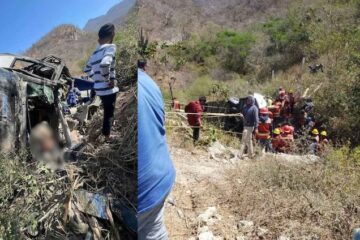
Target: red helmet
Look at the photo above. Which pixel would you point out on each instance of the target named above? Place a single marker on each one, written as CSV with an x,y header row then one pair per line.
x,y
287,129
264,110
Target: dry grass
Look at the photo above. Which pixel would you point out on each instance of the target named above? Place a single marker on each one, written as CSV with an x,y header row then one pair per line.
x,y
39,203
115,165
316,201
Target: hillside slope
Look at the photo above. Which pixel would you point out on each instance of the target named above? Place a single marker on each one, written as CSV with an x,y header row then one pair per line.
x,y
172,20
67,42
237,47
73,44
115,15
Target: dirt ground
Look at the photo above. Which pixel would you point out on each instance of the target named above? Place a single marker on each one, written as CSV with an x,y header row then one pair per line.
x,y
203,188
200,184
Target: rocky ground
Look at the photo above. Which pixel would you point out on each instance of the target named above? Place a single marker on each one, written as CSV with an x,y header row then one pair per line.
x,y
198,207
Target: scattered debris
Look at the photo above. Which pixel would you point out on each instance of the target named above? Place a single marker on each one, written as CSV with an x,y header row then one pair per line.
x,y
261,232
283,238
219,153
246,226
207,215
206,234
180,213
241,238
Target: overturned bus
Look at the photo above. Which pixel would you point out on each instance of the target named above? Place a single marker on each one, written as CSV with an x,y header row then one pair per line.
x,y
30,93
233,105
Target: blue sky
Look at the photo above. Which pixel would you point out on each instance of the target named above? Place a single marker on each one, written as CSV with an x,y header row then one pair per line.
x,y
24,22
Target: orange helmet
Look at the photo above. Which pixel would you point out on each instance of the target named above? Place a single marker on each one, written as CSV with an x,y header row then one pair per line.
x,y
264,110
287,129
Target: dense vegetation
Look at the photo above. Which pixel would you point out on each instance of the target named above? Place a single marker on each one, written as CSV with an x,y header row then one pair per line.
x,y
323,32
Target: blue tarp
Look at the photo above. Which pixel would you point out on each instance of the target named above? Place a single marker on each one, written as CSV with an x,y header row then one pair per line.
x,y
83,85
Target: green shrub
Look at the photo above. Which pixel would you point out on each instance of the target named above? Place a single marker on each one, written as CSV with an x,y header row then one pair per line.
x,y
230,49
233,49
200,87
127,53
286,34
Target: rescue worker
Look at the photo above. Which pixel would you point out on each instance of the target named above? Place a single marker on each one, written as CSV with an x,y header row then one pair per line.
x,y
323,142
310,123
288,130
101,68
323,137
287,135
314,141
281,97
194,110
291,99
288,106
277,143
300,123
251,121
281,89
263,134
277,107
156,173
276,110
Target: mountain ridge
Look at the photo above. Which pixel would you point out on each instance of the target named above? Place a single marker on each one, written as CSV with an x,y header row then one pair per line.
x,y
67,42
115,15
73,44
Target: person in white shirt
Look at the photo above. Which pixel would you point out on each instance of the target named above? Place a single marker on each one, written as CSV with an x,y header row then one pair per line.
x,y
101,68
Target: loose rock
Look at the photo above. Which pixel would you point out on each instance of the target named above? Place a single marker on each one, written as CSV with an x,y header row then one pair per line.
x,y
206,236
246,226
207,215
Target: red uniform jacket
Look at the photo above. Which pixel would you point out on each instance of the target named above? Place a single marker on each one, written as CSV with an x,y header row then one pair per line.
x,y
263,130
194,107
278,143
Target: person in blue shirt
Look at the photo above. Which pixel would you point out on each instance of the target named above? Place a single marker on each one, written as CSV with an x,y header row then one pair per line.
x,y
156,173
251,122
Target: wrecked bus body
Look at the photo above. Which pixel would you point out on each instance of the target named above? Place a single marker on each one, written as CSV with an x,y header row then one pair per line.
x,y
30,93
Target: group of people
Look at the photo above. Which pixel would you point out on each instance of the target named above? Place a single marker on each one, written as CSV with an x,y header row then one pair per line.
x,y
274,128
277,126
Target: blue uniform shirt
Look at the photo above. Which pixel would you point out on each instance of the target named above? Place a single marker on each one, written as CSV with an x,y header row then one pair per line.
x,y
156,173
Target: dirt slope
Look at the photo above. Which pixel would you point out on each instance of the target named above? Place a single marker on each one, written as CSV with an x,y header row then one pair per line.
x,y
204,187
171,20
